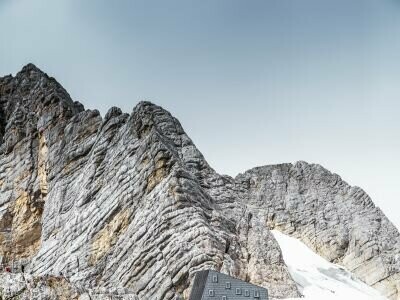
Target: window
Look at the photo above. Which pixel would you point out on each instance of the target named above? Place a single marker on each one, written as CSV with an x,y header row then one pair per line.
x,y
238,291
228,285
256,294
215,278
246,293
211,293
224,298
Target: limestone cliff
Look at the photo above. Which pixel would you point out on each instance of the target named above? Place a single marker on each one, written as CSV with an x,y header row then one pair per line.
x,y
337,221
126,204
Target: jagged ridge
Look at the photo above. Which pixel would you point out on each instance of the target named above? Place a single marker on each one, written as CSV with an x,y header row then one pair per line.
x,y
128,201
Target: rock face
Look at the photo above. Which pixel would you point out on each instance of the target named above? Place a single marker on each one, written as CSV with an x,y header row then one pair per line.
x,y
337,221
128,205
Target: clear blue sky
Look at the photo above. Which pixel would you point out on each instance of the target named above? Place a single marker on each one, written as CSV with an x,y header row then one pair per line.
x,y
253,82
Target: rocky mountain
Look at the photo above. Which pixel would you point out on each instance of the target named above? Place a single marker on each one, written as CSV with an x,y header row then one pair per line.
x,y
127,205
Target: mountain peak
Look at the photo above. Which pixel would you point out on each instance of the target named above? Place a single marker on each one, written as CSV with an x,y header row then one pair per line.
x,y
29,69
130,202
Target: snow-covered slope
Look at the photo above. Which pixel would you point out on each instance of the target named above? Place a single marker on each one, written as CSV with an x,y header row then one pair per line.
x,y
319,279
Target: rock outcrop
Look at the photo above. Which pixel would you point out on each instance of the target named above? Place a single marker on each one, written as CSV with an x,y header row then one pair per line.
x,y
337,221
128,203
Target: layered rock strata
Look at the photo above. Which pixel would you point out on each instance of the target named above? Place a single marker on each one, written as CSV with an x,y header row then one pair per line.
x,y
128,202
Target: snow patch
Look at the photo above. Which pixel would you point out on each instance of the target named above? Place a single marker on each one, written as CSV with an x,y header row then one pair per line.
x,y
318,279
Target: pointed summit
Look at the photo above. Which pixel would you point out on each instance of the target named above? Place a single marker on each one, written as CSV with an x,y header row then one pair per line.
x,y
29,70
29,101
31,67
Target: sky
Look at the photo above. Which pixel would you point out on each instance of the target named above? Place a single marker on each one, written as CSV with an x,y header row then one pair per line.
x,y
252,82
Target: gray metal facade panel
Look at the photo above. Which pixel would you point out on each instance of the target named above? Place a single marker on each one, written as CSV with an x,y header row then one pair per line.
x,y
199,285
220,290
